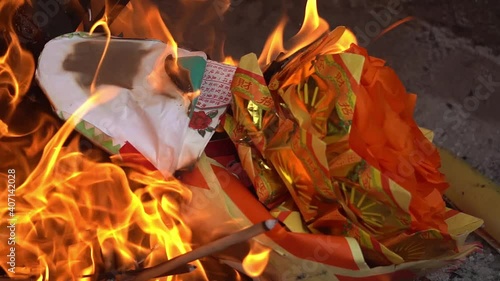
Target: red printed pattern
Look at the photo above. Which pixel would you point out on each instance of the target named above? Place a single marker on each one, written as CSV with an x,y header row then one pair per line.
x,y
216,85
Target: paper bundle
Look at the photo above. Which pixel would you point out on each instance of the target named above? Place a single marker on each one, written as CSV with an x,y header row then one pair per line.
x,y
331,137
299,255
152,114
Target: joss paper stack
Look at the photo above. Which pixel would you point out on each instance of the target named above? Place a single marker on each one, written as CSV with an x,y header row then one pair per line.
x,y
331,136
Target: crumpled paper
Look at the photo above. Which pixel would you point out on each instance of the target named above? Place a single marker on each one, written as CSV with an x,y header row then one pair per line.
x,y
336,126
220,201
150,114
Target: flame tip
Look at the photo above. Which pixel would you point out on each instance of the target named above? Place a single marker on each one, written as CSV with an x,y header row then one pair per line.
x,y
257,259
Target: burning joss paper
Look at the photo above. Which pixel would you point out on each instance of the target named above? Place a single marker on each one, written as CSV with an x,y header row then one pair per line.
x,y
166,103
334,131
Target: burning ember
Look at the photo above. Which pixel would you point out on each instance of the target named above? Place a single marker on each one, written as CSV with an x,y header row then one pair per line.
x,y
140,208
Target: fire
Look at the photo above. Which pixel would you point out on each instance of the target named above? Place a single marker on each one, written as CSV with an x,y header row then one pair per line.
x,y
76,212
147,23
256,261
313,27
230,60
103,24
3,129
274,44
16,65
78,216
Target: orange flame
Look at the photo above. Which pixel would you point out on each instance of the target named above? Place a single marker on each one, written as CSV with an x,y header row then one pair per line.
x,y
256,261
76,216
274,44
313,27
148,23
103,24
16,64
230,60
142,19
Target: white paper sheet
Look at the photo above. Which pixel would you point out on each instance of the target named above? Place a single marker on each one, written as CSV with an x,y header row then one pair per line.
x,y
151,114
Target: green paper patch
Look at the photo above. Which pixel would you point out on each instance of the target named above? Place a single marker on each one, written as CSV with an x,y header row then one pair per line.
x,y
196,66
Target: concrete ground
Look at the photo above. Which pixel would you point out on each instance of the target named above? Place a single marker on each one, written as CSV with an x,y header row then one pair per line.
x,y
448,54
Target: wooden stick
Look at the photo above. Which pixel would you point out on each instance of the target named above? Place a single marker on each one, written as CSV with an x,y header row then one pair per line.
x,y
206,250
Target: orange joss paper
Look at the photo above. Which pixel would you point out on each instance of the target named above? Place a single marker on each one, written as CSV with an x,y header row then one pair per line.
x,y
338,131
385,134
